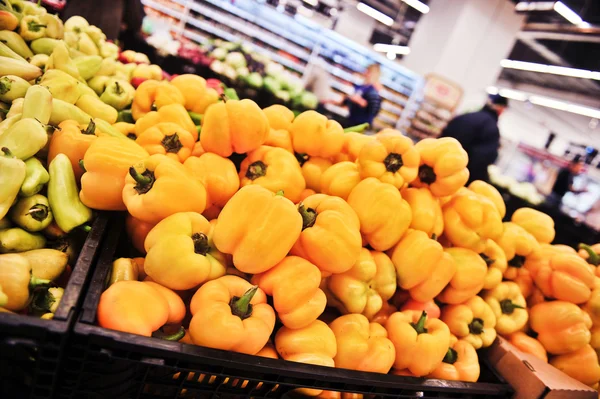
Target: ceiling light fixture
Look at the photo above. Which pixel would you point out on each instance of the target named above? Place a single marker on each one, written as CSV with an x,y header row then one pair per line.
x,y
567,13
391,56
373,13
391,48
551,69
313,3
417,5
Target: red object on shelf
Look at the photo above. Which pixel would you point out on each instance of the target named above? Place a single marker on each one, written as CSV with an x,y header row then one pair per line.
x,y
135,82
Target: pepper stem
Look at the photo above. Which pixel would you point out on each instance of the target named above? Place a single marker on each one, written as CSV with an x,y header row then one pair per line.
x,y
357,128
201,246
451,356
593,257
302,158
144,180
393,162
241,307
172,337
434,237
419,326
90,129
309,216
171,143
508,307
38,212
476,326
256,169
488,261
85,227
7,152
196,118
280,193
34,282
426,174
118,89
517,261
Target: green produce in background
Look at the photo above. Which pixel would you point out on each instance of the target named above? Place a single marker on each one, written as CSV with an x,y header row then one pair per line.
x,y
38,104
36,178
62,110
109,50
62,86
46,264
108,67
31,213
25,138
18,240
22,69
99,83
76,24
12,87
116,95
44,45
6,51
88,65
16,43
86,45
12,174
63,195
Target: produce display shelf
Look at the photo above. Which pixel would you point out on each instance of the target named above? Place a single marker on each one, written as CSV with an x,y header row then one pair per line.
x,y
102,363
32,349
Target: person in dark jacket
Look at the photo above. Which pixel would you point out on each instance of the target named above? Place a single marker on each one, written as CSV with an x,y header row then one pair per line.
x,y
564,182
479,135
365,103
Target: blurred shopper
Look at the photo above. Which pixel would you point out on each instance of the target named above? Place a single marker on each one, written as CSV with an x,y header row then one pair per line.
x,y
365,103
479,135
318,81
564,181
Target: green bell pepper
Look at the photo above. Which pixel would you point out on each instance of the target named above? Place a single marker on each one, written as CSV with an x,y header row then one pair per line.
x,y
12,174
36,178
25,138
32,27
116,96
43,45
12,87
88,65
19,240
31,213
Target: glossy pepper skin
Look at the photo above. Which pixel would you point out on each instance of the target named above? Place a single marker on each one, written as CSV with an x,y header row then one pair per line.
x,y
63,195
31,27
173,113
340,179
280,138
124,269
15,274
280,117
390,158
316,136
274,169
159,187
590,254
495,259
167,139
527,344
562,327
312,170
469,278
197,96
470,219
153,94
96,108
238,313
421,342
487,190
12,175
237,126
25,138
537,223
353,144
422,266
328,219
366,286
443,166
473,321
426,211
362,345
137,230
384,216
32,213
294,285
16,239
461,363
72,140
217,174
517,245
107,162
581,364
509,306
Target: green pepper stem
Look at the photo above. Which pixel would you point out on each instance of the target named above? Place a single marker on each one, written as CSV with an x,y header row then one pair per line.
x,y
476,326
309,216
419,326
256,169
82,165
357,128
34,281
201,246
280,193
593,257
90,129
508,307
426,174
7,153
118,89
393,162
241,307
144,180
171,337
196,118
85,227
451,356
39,212
171,143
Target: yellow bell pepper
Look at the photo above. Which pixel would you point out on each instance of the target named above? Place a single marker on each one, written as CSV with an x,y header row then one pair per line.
x,y
152,95
461,363
361,345
581,364
180,252
590,254
366,286
443,166
517,245
313,169
536,223
473,321
280,117
527,344
562,327
426,211
509,306
197,96
422,266
487,190
421,343
592,306
174,113
315,135
470,219
167,139
294,285
469,278
339,179
495,258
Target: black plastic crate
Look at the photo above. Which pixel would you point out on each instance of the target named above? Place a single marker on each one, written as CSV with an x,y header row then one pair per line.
x,y
103,363
31,349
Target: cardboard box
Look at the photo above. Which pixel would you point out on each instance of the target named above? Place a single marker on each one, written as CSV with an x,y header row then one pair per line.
x,y
531,378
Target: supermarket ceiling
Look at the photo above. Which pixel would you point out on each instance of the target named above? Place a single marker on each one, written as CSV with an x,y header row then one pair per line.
x,y
551,39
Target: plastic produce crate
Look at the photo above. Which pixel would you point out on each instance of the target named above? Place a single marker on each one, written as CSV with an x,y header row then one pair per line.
x,y
31,349
103,363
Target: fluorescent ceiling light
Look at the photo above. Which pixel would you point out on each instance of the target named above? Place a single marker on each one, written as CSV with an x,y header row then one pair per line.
x,y
373,13
391,48
551,69
417,5
391,56
534,6
567,13
312,2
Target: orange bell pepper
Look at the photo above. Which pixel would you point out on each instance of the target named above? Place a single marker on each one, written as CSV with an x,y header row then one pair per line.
x,y
168,139
217,174
432,309
517,245
426,211
274,169
443,166
383,315
420,343
159,187
527,344
327,219
473,321
509,306
562,327
535,297
233,126
353,144
173,113
126,129
239,317
153,95
590,254
137,230
107,162
177,309
461,363
384,216
197,96
280,117
268,351
280,138
495,259
315,135
340,179
73,141
536,223
198,149
258,228
294,285
581,364
391,158
592,306
307,192
362,345
487,190
421,265
469,278
313,169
